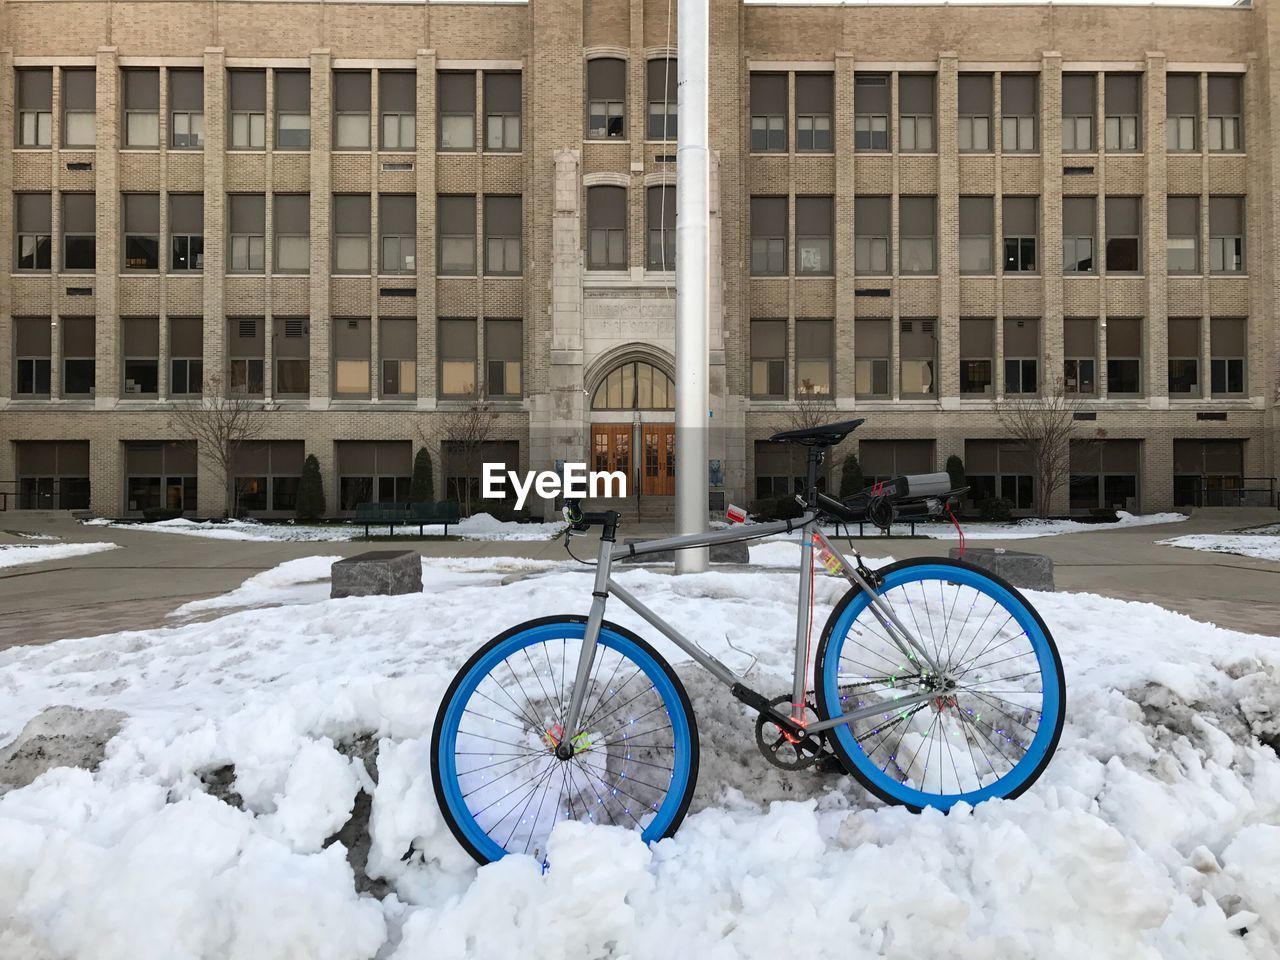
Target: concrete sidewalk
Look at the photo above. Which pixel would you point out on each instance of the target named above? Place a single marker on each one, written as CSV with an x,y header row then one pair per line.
x,y
138,585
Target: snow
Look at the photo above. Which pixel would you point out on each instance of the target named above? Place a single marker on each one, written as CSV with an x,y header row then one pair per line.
x,y
1259,546
17,554
1152,833
1031,528
481,526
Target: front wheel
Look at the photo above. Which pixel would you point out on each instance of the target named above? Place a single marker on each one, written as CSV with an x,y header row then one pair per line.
x,y
983,726
500,781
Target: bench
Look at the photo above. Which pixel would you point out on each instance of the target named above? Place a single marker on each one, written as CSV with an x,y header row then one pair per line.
x,y
407,514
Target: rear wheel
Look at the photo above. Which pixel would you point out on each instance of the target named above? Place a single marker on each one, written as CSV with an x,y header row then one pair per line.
x,y
500,780
991,717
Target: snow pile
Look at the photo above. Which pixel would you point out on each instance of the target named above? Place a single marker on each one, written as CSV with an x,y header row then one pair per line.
x,y
270,796
17,554
482,526
1260,546
1031,527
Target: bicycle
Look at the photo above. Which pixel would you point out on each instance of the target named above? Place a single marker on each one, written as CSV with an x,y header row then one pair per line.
x,y
573,717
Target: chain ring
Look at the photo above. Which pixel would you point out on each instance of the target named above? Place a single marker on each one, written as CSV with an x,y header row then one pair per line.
x,y
778,747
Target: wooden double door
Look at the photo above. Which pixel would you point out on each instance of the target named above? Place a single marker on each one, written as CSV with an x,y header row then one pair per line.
x,y
653,459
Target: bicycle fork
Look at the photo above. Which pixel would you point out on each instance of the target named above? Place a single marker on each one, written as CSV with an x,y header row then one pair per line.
x,y
599,594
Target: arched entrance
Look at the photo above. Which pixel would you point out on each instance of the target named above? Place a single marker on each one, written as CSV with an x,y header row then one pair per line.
x,y
631,426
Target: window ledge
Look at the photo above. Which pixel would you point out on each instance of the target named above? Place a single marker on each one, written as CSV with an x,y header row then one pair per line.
x,y
815,276
186,275
286,276
441,276
247,150
920,276
155,149
1228,276
917,153
32,149
501,153
503,276
604,140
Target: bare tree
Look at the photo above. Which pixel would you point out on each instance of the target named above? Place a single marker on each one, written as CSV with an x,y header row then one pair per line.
x,y
812,407
461,436
1043,426
220,421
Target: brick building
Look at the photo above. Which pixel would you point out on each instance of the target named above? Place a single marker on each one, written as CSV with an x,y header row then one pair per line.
x,y
368,213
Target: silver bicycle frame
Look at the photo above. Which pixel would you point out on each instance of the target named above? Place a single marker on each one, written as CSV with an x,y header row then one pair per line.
x,y
604,585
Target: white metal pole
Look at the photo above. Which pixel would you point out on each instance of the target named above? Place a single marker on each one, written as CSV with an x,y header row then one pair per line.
x,y
693,251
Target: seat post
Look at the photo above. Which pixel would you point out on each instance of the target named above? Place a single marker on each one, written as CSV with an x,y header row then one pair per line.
x,y
816,455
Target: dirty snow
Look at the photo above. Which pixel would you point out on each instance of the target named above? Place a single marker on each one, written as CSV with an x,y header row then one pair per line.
x,y
1259,546
481,526
17,554
1152,834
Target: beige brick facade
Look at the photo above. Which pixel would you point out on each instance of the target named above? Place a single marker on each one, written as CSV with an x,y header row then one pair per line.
x,y
580,323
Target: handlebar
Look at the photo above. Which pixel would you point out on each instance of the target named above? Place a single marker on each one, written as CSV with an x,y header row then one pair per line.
x,y
582,520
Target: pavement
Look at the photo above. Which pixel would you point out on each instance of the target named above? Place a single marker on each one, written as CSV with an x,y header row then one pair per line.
x,y
140,584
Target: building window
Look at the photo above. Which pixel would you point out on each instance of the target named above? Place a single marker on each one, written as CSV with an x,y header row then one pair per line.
x,y
871,111
1226,234
292,224
999,469
1021,356
79,375
977,228
1079,101
141,216
661,89
606,99
1080,348
247,218
1182,108
351,353
635,385
502,230
35,107
814,235
781,471
31,347
606,228
266,475
373,471
398,107
885,459
457,106
917,228
141,107
351,98
502,109
769,236
504,356
1104,474
186,353
1124,249
1079,227
977,354
973,130
351,233
291,351
871,356
398,346
186,232
456,221
871,236
1184,356
457,352
1182,241
247,352
53,474
660,212
1124,357
79,237
768,113
1020,219
140,351
1019,112
397,233
247,109
1122,110
916,112
814,103
160,476
814,358
186,109
293,109
918,354
34,222
769,359
1225,97
79,107
1226,357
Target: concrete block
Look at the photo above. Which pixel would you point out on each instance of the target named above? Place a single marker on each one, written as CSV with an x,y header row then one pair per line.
x,y
1033,571
720,553
386,573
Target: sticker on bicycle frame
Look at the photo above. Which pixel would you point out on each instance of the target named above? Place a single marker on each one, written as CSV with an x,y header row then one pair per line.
x,y
827,558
